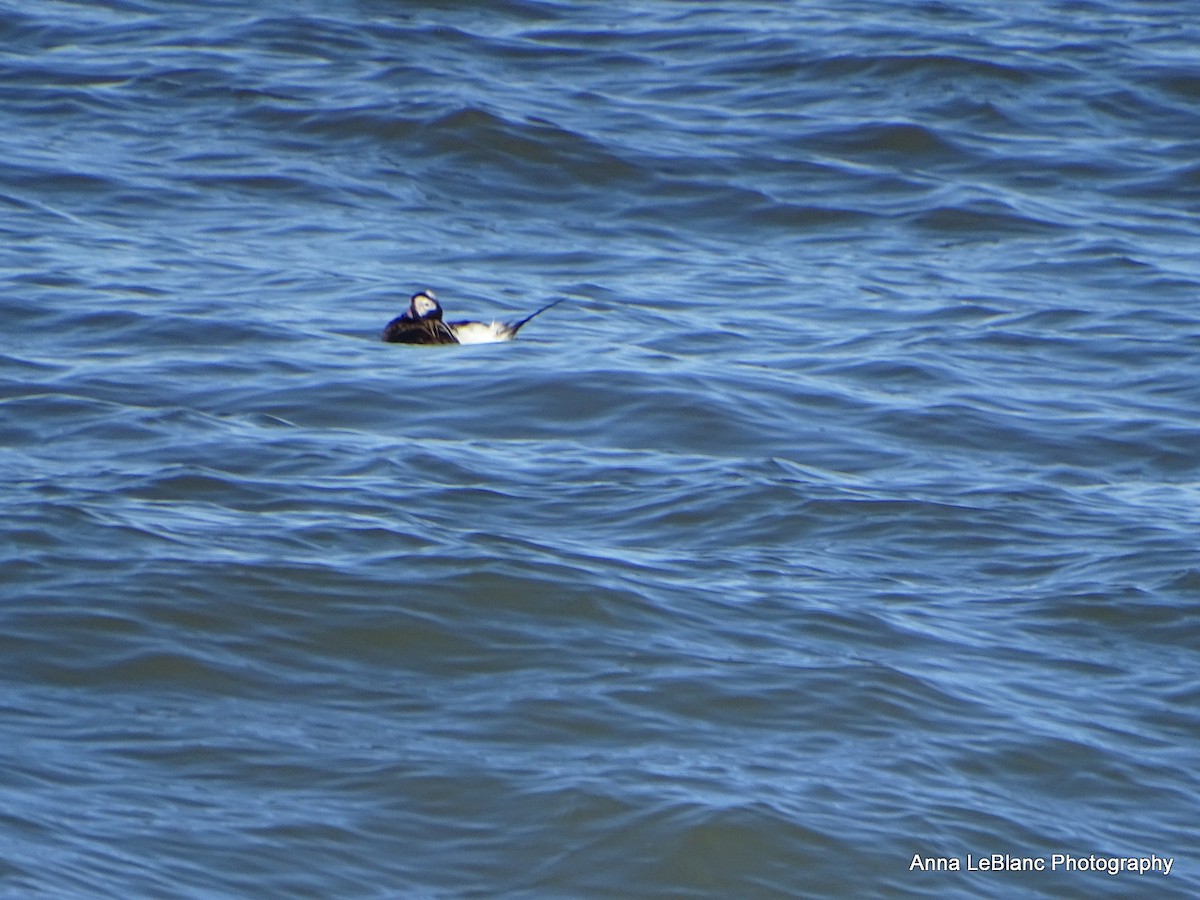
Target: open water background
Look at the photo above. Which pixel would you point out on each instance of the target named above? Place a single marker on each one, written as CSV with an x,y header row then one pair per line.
x,y
848,510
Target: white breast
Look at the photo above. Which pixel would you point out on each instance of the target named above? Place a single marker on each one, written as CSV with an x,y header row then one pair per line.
x,y
482,332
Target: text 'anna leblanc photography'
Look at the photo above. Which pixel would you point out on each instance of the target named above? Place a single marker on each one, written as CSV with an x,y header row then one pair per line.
x,y
1055,862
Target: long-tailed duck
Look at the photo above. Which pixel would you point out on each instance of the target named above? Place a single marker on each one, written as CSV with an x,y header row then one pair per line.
x,y
422,324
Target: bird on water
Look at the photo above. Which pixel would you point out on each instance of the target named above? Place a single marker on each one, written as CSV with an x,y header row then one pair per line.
x,y
422,323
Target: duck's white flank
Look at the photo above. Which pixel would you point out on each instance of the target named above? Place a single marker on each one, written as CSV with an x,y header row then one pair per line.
x,y
482,332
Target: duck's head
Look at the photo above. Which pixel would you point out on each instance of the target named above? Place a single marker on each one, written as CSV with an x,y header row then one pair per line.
x,y
424,305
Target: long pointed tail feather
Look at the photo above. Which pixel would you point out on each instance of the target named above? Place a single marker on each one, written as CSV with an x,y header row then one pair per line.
x,y
515,326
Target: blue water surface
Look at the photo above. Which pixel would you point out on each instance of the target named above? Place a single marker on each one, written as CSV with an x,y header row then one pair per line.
x,y
845,512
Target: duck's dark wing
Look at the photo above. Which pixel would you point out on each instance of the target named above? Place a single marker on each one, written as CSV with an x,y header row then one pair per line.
x,y
442,333
407,330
